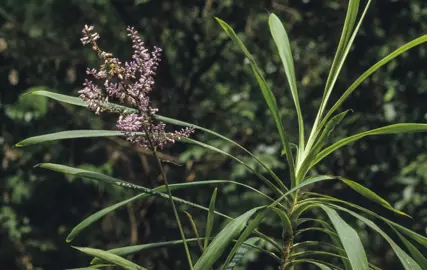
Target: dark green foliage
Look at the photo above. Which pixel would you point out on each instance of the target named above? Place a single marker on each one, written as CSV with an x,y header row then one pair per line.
x,y
203,80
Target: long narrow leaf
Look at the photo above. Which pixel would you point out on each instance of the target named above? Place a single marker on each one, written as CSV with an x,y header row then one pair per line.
x,y
253,224
349,239
281,39
195,230
210,147
110,257
210,219
339,59
323,139
298,187
147,193
71,134
221,241
415,253
115,181
407,262
367,73
266,92
185,124
422,240
130,250
391,129
241,252
79,102
369,194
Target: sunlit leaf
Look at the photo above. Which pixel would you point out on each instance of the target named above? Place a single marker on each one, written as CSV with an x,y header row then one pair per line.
x,y
391,129
241,252
217,247
283,46
268,96
367,73
407,262
415,253
71,134
349,239
110,257
210,219
79,102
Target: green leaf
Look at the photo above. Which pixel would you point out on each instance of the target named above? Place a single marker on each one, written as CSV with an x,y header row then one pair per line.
x,y
323,139
147,193
286,223
407,262
210,219
349,239
195,230
411,234
110,257
221,241
60,97
253,224
115,181
98,215
391,129
345,43
71,134
210,147
185,124
281,39
320,264
415,253
130,250
79,102
371,70
369,194
241,252
306,182
267,93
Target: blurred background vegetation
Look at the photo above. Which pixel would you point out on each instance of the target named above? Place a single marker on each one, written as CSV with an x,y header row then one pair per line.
x,y
202,79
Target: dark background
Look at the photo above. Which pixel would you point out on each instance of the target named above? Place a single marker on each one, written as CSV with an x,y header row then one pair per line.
x,y
203,79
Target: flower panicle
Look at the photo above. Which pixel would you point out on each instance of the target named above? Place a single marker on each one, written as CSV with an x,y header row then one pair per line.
x,y
128,83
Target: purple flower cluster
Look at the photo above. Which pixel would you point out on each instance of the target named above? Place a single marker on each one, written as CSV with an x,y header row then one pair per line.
x,y
128,83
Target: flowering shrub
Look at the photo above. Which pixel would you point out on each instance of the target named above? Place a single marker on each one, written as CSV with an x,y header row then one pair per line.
x,y
123,89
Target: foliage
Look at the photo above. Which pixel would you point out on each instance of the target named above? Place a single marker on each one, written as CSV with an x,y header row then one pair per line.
x,y
289,203
215,66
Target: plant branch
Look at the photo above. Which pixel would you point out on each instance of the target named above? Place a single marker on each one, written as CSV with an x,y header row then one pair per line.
x,y
175,212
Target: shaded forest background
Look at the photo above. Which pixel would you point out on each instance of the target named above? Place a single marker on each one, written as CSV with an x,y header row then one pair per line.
x,y
203,79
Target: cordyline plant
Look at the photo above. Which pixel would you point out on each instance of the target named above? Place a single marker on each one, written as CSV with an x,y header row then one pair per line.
x,y
123,88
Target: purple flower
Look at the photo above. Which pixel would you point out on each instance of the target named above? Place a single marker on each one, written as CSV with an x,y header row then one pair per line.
x,y
128,83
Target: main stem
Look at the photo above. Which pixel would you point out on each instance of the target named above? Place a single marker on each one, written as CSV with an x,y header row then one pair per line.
x,y
286,251
175,212
288,240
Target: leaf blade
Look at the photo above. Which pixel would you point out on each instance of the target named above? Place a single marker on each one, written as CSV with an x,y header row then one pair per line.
x,y
349,239
221,241
110,257
70,134
404,258
390,129
267,94
210,219
283,46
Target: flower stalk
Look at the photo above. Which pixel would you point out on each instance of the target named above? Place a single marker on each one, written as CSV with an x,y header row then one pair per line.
x,y
129,83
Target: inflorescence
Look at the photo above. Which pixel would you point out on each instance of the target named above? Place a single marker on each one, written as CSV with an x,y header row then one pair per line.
x,y
128,83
